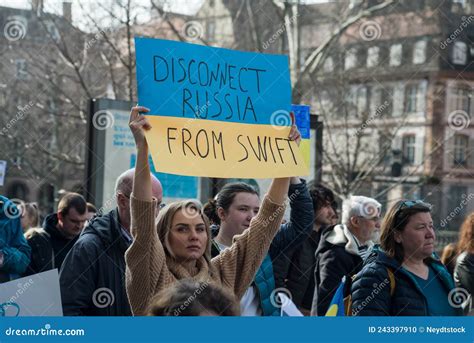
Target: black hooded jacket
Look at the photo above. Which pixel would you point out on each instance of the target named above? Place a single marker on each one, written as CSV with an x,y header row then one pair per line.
x,y
92,277
48,246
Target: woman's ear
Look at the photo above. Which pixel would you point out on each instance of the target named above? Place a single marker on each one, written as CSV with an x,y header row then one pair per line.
x,y
221,213
397,237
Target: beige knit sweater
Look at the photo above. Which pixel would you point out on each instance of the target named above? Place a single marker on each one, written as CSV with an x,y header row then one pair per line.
x,y
149,269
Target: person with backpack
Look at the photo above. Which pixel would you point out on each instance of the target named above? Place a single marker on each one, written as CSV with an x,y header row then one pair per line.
x,y
343,248
404,277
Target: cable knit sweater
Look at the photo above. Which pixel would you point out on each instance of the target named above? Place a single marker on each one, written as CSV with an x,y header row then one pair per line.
x,y
149,269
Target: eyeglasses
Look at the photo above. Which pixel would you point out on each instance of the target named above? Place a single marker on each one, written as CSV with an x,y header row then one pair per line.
x,y
413,204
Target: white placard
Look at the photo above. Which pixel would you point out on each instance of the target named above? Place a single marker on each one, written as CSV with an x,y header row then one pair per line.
x,y
35,295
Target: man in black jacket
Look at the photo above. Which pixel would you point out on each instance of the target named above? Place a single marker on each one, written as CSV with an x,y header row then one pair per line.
x,y
343,248
93,275
294,269
50,245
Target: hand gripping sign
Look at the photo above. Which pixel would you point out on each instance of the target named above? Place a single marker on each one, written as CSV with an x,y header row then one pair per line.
x,y
217,112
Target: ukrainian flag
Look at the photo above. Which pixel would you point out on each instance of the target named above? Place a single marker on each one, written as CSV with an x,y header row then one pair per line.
x,y
336,307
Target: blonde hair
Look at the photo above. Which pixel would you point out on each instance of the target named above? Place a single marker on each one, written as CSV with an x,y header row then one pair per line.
x,y
165,220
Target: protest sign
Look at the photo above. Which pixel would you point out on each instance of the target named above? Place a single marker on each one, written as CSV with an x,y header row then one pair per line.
x,y
34,295
217,112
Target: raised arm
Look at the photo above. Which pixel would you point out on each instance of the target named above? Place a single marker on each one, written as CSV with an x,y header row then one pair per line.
x,y
142,179
146,271
240,262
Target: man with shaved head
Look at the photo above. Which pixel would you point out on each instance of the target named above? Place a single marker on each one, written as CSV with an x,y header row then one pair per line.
x,y
93,274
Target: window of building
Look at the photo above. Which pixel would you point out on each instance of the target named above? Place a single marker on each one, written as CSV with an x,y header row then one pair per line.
x,y
411,98
459,53
408,148
419,52
382,98
373,56
395,55
461,99
350,60
21,69
385,148
461,150
361,100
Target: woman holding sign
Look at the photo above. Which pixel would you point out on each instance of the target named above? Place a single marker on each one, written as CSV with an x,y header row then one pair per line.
x,y
178,247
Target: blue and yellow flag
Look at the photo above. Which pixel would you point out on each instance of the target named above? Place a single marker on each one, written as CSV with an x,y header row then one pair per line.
x,y
336,307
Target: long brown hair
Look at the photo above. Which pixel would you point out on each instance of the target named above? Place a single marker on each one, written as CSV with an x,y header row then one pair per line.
x,y
165,219
395,220
466,235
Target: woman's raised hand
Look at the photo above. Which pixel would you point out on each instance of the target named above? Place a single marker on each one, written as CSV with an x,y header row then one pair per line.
x,y
138,125
295,134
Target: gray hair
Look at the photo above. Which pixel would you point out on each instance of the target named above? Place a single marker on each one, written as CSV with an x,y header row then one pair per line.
x,y
359,206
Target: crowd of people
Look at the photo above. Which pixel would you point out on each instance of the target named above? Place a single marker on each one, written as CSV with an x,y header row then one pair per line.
x,y
234,255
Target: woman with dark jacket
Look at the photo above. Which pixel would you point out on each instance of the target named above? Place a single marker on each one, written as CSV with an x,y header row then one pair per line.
x,y
464,268
422,285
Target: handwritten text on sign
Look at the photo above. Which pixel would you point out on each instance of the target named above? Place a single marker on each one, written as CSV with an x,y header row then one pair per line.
x,y
213,110
193,81
201,148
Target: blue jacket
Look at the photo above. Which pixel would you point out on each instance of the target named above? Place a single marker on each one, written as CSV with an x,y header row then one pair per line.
x,y
289,236
407,300
15,249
